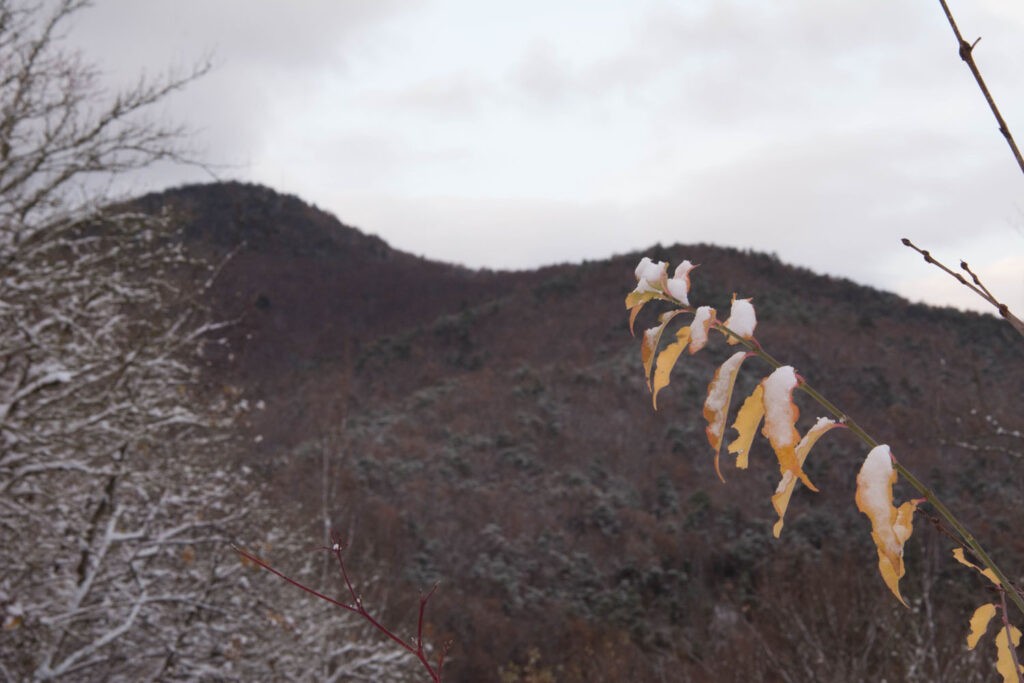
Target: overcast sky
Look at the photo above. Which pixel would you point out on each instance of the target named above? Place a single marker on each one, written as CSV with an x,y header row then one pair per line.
x,y
519,134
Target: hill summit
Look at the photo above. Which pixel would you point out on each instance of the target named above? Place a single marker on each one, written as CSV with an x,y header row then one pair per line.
x,y
493,431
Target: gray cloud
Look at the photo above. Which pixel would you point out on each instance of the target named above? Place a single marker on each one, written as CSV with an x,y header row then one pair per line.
x,y
539,132
267,58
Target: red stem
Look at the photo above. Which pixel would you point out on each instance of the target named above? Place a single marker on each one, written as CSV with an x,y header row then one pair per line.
x,y
337,549
1009,641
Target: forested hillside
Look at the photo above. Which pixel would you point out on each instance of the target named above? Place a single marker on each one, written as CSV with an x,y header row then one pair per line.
x,y
209,382
492,431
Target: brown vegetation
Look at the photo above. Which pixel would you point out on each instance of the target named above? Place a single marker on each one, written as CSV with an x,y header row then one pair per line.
x,y
493,440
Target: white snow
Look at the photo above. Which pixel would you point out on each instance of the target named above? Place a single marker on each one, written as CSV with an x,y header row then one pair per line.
x,y
651,336
874,486
778,411
699,328
742,319
822,423
719,392
679,285
649,275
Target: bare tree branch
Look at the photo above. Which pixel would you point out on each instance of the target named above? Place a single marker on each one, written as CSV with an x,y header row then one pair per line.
x,y
60,139
975,285
966,51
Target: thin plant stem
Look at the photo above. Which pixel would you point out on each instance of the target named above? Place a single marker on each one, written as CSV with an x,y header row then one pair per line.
x,y
356,607
966,51
1009,640
962,531
977,286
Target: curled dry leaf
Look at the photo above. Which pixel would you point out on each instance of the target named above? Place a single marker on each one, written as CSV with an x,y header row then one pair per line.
x,y
716,405
652,338
780,501
1006,640
979,624
780,416
748,419
635,302
667,360
890,527
958,555
695,336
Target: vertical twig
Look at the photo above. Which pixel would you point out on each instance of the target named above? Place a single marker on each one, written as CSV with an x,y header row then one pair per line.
x,y
967,54
1009,641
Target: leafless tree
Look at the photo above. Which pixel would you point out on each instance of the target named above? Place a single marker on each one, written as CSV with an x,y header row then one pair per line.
x,y
115,520
61,139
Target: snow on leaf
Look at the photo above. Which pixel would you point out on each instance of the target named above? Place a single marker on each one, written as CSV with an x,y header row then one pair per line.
x,y
678,287
667,360
780,501
890,527
716,405
780,416
748,419
649,275
979,624
652,338
650,285
742,319
1005,664
703,318
958,555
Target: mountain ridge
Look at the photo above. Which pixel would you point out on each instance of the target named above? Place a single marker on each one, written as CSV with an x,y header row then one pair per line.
x,y
493,430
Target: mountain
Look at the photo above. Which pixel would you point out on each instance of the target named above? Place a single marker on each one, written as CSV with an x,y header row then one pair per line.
x,y
493,431
307,292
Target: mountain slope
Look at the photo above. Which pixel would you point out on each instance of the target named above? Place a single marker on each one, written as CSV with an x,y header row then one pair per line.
x,y
492,430
306,292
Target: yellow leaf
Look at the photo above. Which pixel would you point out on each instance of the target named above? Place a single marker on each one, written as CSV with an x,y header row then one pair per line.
x,y
747,421
650,284
780,501
979,624
636,298
958,554
667,360
635,301
652,338
890,527
716,405
780,416
1004,661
